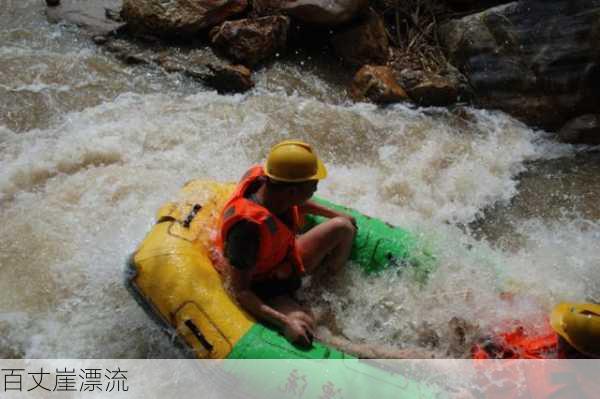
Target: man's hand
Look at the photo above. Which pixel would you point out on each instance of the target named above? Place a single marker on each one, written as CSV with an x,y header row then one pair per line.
x,y
352,220
298,329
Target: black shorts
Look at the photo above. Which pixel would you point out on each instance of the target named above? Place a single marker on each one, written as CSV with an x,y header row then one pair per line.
x,y
267,289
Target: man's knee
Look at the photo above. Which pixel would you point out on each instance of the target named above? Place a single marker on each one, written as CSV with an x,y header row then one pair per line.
x,y
343,226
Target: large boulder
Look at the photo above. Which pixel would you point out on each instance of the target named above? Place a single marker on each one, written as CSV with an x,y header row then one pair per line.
x,y
317,12
251,41
584,129
434,89
538,60
377,84
178,17
365,42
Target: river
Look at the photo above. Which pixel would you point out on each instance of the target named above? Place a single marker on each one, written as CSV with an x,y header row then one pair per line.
x,y
90,148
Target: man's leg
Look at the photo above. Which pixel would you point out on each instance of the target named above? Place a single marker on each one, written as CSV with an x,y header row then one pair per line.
x,y
372,351
331,239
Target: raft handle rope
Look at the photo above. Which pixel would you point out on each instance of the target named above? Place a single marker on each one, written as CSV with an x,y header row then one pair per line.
x,y
196,331
188,220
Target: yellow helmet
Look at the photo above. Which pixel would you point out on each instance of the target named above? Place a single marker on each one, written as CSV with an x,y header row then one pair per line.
x,y
294,161
579,324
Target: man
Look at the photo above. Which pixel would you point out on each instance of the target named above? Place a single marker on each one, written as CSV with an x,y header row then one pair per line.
x,y
259,237
572,333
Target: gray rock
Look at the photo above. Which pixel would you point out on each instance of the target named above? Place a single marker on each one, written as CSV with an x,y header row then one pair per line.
x,y
178,17
252,41
584,129
209,70
538,60
120,46
434,89
125,51
90,15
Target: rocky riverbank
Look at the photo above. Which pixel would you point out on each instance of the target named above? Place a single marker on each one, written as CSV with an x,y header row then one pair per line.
x,y
536,60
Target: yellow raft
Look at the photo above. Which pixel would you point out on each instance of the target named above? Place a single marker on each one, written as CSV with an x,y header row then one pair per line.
x,y
172,273
172,277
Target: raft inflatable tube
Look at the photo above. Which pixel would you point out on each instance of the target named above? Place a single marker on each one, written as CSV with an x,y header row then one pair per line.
x,y
171,276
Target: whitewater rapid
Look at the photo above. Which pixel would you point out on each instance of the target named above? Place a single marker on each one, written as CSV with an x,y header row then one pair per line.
x,y
89,149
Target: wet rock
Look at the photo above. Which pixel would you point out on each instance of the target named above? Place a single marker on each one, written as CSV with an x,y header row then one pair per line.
x,y
317,12
537,60
134,58
377,84
113,15
210,71
196,71
429,89
251,41
125,51
178,17
120,46
584,129
366,42
89,15
100,40
459,80
229,78
52,3
170,64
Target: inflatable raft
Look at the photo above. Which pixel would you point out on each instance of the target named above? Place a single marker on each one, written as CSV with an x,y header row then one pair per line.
x,y
172,277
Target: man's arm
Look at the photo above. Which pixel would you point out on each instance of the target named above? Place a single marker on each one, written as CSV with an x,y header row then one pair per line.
x,y
296,329
314,208
240,251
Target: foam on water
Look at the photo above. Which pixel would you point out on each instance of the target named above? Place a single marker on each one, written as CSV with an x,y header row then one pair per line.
x,y
79,187
78,197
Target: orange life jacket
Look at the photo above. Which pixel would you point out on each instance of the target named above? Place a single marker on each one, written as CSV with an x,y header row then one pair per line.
x,y
546,377
277,241
517,344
